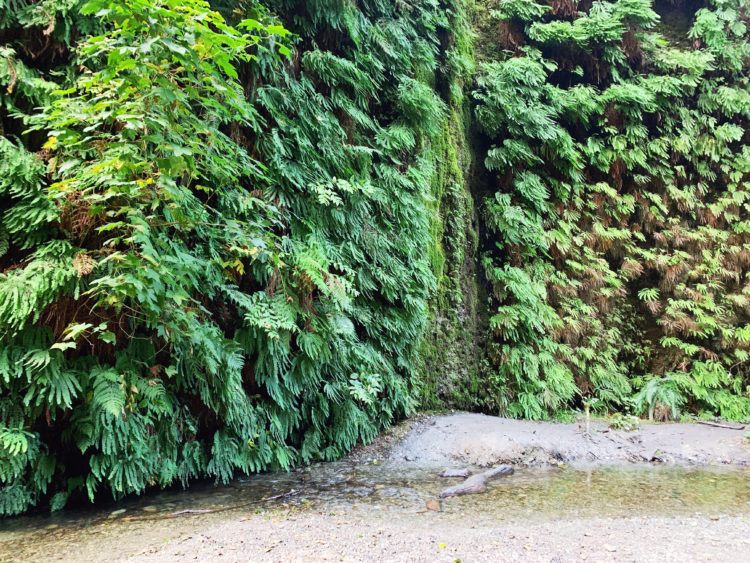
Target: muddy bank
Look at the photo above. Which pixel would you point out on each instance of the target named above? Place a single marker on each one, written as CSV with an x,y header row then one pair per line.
x,y
477,440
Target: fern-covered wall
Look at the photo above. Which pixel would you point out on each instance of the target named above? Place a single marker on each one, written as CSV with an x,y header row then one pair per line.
x,y
617,221
250,234
220,233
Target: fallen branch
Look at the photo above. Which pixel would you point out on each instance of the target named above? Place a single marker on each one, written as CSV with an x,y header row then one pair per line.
x,y
191,511
476,483
722,425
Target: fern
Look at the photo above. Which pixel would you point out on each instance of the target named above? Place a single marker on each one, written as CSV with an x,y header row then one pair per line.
x,y
610,183
216,262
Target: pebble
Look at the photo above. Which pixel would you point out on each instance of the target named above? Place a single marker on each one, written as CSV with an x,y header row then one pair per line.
x,y
449,472
434,505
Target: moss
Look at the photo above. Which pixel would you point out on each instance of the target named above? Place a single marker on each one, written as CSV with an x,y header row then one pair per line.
x,y
449,351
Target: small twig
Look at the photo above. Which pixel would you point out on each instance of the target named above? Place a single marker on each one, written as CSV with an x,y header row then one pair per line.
x,y
722,425
192,511
231,507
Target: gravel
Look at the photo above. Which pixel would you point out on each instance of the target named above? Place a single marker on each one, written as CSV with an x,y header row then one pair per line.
x,y
475,439
368,537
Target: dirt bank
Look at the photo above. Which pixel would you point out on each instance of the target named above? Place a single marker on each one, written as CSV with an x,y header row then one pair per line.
x,y
475,439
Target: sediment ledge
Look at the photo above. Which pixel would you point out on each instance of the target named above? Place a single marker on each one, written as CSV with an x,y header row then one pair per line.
x,y
464,439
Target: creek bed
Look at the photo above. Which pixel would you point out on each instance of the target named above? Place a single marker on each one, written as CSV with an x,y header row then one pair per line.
x,y
387,494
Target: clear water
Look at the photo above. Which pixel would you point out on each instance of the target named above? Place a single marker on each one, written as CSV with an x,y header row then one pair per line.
x,y
530,494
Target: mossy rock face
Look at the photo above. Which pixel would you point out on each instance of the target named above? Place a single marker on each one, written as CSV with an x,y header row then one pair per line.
x,y
450,349
676,20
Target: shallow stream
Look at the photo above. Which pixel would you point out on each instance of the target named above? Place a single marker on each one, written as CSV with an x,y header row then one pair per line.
x,y
530,494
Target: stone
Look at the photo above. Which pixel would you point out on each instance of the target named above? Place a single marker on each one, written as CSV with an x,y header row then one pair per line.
x,y
434,505
449,472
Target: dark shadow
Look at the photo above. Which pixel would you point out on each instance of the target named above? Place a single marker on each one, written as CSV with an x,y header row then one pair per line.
x,y
677,17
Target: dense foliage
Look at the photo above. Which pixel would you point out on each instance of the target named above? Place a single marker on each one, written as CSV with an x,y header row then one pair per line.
x,y
246,234
214,238
619,216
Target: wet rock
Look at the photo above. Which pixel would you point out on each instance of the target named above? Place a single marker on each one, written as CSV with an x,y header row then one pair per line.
x,y
358,491
390,492
339,478
660,457
463,473
476,483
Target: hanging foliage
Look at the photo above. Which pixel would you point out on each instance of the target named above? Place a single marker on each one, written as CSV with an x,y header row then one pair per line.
x,y
212,236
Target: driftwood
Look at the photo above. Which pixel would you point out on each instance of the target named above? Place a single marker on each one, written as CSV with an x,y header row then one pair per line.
x,y
722,425
476,483
191,511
